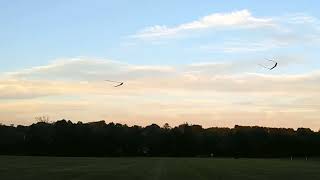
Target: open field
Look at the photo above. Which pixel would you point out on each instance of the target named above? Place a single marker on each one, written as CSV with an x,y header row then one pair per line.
x,y
20,168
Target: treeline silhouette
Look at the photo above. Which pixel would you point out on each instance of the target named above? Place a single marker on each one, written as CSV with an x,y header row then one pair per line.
x,y
64,138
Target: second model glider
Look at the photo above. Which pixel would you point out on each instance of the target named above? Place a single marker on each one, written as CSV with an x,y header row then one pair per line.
x,y
270,68
275,65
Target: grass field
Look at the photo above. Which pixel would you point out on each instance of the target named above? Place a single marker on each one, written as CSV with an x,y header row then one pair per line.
x,y
61,168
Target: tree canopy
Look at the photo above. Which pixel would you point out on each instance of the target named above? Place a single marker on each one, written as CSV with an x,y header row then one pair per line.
x,y
65,138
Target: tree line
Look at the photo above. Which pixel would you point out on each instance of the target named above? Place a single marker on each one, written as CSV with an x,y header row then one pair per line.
x,y
64,138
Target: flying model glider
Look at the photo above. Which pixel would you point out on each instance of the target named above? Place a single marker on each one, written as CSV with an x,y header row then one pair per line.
x,y
120,83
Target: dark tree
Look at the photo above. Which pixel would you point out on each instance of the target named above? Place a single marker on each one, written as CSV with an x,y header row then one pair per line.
x,y
64,138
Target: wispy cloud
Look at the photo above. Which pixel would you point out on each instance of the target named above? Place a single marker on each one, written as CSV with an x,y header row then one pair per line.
x,y
276,41
244,46
236,19
300,18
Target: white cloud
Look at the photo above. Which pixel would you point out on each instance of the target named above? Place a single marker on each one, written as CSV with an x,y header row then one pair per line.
x,y
236,19
286,31
88,69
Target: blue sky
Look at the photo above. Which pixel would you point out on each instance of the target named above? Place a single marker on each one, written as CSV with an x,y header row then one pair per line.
x,y
194,61
36,32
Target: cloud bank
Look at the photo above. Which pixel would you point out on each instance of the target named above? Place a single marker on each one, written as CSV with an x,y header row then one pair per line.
x,y
211,94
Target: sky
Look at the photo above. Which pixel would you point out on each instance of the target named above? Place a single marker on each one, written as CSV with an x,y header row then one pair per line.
x,y
180,61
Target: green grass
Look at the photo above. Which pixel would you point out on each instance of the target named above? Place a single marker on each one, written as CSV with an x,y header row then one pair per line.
x,y
61,168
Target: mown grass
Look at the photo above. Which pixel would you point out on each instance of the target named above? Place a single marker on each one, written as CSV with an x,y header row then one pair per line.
x,y
58,168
